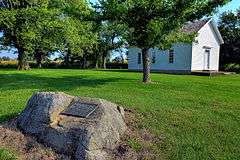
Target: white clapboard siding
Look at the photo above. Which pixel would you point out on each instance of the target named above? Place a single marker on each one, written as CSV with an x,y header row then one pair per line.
x,y
187,57
206,38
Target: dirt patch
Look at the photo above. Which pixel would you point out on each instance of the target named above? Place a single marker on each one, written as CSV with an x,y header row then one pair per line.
x,y
27,148
143,140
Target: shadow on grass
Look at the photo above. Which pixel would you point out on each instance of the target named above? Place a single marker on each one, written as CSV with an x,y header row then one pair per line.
x,y
43,82
28,81
141,72
117,70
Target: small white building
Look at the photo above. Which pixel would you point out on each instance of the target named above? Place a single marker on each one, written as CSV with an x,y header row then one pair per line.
x,y
201,55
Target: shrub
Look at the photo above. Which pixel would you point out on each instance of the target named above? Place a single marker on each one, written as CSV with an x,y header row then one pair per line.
x,y
232,67
117,65
58,65
8,64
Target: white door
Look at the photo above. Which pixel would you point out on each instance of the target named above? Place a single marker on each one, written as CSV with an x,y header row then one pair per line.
x,y
206,62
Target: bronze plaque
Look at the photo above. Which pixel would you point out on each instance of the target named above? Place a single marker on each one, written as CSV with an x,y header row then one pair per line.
x,y
79,109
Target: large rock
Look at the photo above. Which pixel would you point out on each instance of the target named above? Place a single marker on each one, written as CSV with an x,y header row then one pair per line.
x,y
84,128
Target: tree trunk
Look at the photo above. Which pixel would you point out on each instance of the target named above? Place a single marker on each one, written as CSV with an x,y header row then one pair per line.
x,y
96,65
146,66
67,59
22,63
104,59
105,56
122,58
38,57
84,61
95,61
39,65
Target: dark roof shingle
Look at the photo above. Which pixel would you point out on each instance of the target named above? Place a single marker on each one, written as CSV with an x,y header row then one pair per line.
x,y
195,26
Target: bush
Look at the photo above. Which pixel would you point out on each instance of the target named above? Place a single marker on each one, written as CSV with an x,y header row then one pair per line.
x,y
117,65
8,64
59,65
232,67
32,64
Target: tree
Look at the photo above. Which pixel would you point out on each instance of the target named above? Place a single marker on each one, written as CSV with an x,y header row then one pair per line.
x,y
23,22
18,22
40,27
79,36
109,36
121,51
110,39
229,27
156,23
49,39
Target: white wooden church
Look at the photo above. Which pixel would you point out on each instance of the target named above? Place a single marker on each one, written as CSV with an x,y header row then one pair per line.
x,y
201,55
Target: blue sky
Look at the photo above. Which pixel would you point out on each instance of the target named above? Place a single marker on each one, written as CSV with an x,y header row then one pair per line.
x,y
232,6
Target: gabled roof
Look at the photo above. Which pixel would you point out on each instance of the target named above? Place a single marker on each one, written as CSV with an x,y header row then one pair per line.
x,y
196,26
217,32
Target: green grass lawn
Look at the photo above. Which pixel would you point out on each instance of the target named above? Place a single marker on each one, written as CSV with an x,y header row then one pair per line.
x,y
6,155
196,117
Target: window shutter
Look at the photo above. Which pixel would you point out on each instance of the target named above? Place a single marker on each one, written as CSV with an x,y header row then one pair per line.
x,y
171,56
153,57
139,58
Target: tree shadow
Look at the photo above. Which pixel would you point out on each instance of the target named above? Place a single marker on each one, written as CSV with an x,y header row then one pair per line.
x,y
28,81
140,71
118,70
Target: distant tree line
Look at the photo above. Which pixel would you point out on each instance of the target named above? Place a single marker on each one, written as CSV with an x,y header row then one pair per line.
x,y
87,33
5,58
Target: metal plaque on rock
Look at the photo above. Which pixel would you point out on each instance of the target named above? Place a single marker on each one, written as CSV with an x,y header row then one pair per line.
x,y
79,109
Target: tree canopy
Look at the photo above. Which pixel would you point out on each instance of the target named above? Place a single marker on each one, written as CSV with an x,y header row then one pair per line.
x,y
45,26
229,27
19,25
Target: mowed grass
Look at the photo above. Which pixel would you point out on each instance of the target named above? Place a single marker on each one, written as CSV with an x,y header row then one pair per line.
x,y
194,117
6,155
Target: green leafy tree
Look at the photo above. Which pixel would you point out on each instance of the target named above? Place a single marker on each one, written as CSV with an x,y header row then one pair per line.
x,y
79,36
110,39
18,19
49,32
156,23
40,27
110,36
229,27
73,36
